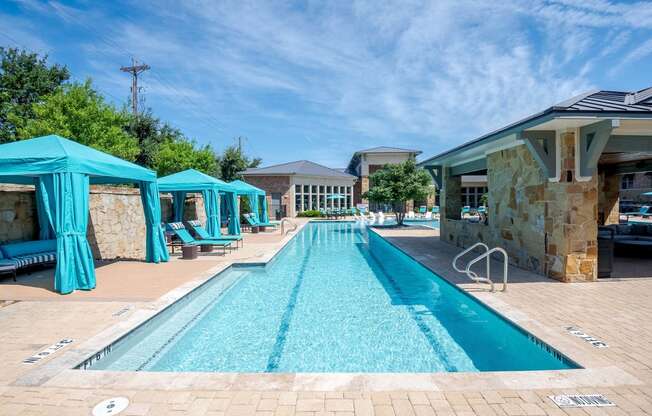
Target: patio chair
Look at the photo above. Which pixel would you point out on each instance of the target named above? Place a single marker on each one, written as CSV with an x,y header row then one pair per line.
x,y
260,223
204,235
187,240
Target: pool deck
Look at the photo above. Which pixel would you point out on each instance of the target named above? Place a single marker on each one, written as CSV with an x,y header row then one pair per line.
x,y
618,312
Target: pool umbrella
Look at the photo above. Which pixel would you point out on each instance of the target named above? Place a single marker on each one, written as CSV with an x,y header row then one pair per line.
x,y
336,196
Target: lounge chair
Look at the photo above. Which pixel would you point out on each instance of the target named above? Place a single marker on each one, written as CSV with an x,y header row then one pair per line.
x,y
372,217
435,211
410,215
466,210
187,240
204,235
255,222
644,212
428,215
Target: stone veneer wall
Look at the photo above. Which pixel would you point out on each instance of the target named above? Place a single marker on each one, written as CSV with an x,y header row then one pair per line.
x,y
547,227
116,226
516,206
608,198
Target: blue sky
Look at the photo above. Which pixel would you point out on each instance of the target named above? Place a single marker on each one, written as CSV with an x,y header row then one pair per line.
x,y
318,80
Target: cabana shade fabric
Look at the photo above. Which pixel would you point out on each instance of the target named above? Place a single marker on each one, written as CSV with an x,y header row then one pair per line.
x,y
62,171
65,202
192,180
212,208
243,188
24,160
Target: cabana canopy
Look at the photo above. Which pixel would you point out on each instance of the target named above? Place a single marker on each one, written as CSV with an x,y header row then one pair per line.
x,y
243,188
253,194
192,180
62,171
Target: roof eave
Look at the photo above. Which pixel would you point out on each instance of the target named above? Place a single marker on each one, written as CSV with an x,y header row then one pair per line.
x,y
532,121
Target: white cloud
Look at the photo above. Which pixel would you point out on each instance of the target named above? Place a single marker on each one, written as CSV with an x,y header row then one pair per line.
x,y
380,71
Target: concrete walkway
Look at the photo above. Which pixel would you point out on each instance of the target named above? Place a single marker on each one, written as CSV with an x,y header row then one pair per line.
x,y
616,312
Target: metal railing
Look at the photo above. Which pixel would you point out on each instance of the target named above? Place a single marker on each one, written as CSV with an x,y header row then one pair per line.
x,y
285,220
486,255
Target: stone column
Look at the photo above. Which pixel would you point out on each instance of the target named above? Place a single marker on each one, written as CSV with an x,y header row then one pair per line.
x,y
451,196
609,198
571,221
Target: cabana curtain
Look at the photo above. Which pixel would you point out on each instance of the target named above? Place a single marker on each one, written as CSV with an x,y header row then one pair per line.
x,y
45,228
178,202
212,208
232,204
265,214
64,198
156,250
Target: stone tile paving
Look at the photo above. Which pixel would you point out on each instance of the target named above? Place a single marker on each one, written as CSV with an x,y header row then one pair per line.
x,y
618,312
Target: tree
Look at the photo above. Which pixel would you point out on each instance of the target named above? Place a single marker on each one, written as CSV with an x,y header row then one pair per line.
x,y
233,162
24,80
147,130
76,111
177,154
397,184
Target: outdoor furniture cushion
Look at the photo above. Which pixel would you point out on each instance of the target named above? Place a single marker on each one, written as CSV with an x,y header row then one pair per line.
x,y
24,248
36,258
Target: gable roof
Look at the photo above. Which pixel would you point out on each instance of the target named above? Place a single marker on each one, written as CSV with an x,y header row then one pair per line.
x,y
22,161
299,167
595,103
387,149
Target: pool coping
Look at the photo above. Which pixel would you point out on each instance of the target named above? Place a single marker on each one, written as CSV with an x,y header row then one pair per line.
x,y
60,371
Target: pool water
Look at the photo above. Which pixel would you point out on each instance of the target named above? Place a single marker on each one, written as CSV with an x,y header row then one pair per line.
x,y
338,298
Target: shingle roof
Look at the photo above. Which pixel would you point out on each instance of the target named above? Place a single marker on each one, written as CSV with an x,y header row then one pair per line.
x,y
386,149
300,167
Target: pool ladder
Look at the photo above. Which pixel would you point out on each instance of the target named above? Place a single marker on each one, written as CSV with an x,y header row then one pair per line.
x,y
285,220
486,255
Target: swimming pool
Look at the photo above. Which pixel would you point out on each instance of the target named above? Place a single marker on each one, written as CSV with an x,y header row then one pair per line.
x,y
338,298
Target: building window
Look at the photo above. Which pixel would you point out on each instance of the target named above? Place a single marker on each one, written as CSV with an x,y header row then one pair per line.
x,y
627,182
297,189
297,203
472,196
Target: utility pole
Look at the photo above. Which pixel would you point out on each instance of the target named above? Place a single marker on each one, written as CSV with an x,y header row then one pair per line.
x,y
134,70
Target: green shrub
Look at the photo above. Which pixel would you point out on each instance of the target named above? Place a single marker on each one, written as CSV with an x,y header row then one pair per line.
x,y
310,214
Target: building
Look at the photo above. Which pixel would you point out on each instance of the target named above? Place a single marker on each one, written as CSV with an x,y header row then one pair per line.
x,y
365,162
303,185
552,179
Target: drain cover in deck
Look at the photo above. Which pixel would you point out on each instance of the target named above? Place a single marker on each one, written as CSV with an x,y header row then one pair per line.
x,y
111,406
581,400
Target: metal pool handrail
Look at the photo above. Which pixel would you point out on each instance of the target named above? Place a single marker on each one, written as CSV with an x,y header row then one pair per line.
x,y
486,247
488,252
283,221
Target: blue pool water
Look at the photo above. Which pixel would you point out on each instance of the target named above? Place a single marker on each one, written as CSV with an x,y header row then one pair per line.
x,y
338,298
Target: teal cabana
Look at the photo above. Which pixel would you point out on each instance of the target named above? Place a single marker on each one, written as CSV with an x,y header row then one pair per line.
x,y
62,172
254,195
181,183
